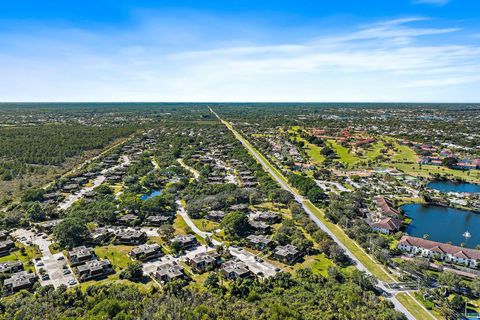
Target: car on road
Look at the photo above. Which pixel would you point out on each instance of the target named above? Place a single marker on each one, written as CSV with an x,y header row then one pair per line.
x,y
66,271
45,277
61,258
40,264
72,282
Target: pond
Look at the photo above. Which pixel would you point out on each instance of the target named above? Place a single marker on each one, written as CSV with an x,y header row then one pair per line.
x,y
443,224
151,195
449,186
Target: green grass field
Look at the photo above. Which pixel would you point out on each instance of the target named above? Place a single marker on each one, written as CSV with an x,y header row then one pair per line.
x,y
345,156
117,254
413,306
26,258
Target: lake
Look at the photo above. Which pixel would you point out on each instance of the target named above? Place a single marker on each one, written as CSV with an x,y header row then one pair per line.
x,y
151,195
443,224
449,186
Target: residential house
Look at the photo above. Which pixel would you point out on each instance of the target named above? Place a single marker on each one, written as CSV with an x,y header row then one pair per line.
x,y
19,281
80,255
185,241
146,252
259,227
386,207
287,253
101,235
127,219
157,220
216,215
267,217
205,261
93,269
259,242
6,246
3,235
234,269
130,237
10,267
440,251
169,271
387,225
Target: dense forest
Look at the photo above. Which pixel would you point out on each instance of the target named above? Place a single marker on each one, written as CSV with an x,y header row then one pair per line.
x,y
306,296
52,144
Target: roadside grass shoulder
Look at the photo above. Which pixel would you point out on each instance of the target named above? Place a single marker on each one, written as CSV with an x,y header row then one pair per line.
x,y
413,306
374,267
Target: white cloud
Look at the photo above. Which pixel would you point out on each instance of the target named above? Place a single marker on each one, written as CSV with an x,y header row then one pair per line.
x,y
385,61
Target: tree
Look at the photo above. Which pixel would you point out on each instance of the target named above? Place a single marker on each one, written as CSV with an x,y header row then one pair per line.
x,y
449,162
211,281
71,232
103,189
32,195
235,224
133,272
166,232
450,280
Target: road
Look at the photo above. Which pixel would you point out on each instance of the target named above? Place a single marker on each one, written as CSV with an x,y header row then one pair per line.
x,y
300,199
72,198
251,260
195,173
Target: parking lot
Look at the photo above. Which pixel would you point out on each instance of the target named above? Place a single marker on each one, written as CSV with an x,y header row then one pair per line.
x,y
57,269
255,264
49,264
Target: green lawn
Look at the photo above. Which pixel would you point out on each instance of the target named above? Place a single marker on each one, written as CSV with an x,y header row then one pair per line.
x,y
26,258
313,151
117,254
206,225
318,263
375,268
343,153
180,225
413,306
374,151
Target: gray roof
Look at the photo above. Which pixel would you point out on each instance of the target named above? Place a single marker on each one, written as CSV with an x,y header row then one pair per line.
x,y
19,279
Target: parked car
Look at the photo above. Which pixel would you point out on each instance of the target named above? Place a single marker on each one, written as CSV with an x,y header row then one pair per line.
x,y
66,271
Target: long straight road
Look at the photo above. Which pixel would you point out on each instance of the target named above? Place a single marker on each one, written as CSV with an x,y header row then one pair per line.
x,y
300,199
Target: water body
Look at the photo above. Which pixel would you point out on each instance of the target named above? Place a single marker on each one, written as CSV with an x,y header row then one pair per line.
x,y
151,195
443,224
449,186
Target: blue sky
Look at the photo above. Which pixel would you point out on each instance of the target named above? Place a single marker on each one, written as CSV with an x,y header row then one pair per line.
x,y
323,50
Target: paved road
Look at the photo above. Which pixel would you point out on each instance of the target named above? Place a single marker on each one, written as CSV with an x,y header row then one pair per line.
x,y
195,173
72,198
251,260
319,223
